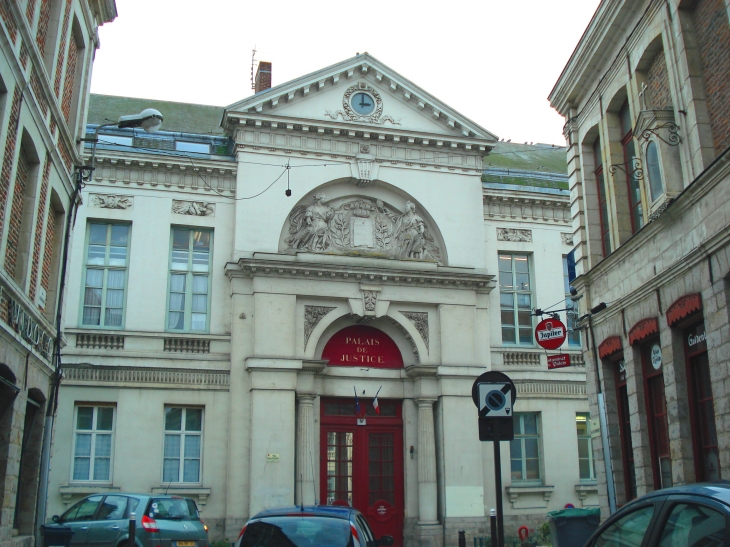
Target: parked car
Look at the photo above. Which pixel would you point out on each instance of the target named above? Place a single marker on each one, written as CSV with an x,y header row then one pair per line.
x,y
102,520
305,526
695,515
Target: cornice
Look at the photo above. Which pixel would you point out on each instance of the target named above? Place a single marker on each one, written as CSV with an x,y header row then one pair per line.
x,y
517,206
356,270
194,378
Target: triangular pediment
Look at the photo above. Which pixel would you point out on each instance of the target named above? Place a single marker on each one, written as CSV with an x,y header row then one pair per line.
x,y
361,93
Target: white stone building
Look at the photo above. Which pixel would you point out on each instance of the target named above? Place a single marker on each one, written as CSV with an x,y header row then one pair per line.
x,y
646,99
219,331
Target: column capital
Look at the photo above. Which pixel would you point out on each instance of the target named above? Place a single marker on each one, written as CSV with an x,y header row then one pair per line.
x,y
425,401
305,398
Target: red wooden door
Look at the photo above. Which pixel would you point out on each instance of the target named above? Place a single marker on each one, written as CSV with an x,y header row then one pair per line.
x,y
362,465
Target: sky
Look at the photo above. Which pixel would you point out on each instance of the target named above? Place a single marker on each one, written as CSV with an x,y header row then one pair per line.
x,y
493,61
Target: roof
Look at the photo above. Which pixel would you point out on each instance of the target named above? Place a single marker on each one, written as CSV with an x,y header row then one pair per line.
x,y
339,511
538,165
179,117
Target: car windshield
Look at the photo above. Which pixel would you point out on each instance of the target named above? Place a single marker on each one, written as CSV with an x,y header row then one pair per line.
x,y
172,509
297,531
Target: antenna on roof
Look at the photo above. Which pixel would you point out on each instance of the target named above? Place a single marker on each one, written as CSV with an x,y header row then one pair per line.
x,y
253,62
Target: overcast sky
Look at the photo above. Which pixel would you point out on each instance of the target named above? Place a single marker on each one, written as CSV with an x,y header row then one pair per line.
x,y
494,61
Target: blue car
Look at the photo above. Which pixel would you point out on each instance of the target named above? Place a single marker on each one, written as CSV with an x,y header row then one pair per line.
x,y
695,515
309,526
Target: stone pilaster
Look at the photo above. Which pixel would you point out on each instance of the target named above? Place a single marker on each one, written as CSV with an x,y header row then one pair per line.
x,y
427,512
306,489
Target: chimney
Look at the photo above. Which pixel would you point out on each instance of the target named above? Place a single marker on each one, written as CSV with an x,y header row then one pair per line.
x,y
263,77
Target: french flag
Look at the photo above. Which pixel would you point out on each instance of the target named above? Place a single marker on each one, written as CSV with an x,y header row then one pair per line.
x,y
376,406
357,402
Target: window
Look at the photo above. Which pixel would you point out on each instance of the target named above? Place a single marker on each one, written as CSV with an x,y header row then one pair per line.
x,y
624,417
106,275
585,447
525,448
83,510
632,180
656,410
572,313
183,442
199,147
602,199
515,298
115,139
189,280
628,531
656,187
113,508
694,525
93,443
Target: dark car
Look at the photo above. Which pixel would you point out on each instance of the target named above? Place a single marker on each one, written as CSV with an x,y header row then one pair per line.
x,y
102,520
309,526
695,515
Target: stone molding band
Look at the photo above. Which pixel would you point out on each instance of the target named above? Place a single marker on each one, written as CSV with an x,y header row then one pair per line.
x,y
146,375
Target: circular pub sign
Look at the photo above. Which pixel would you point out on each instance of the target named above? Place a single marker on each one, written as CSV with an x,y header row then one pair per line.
x,y
550,333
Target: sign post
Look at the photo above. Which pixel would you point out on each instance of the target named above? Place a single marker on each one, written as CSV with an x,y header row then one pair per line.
x,y
494,395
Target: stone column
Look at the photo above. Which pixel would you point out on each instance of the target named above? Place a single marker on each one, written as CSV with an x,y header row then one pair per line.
x,y
427,491
306,488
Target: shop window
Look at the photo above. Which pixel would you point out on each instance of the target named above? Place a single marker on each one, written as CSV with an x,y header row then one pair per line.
x,y
189,290
515,298
585,447
656,185
602,198
183,444
525,448
656,411
93,443
702,405
630,165
107,255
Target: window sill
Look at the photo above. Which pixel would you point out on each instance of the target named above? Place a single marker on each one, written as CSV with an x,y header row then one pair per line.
x,y
185,490
85,489
529,496
584,489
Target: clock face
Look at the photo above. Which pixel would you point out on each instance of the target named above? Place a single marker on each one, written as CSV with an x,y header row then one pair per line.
x,y
363,103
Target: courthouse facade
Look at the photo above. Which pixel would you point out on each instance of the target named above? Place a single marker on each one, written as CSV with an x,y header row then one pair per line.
x,y
226,341
646,100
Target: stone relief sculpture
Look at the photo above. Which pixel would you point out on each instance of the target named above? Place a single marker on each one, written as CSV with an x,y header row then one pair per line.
x,y
511,234
370,299
420,321
194,208
361,226
109,201
567,238
312,316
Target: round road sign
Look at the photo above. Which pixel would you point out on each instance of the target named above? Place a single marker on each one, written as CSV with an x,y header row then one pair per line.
x,y
550,333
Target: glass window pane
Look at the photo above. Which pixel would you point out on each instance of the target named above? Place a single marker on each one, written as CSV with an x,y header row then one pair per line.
x,y
191,471
508,317
177,302
92,316
515,448
198,321
521,264
583,448
509,335
92,297
584,469
507,300
84,417
172,446
522,282
170,470
119,235
176,321
114,298
505,263
115,279
532,470
181,239
200,302
530,423
694,525
113,317
526,336
117,256
173,419
94,277
200,284
177,282
505,280
516,468
96,255
83,444
82,466
628,531
655,175
192,446
524,318
531,448
193,419
104,418
524,301
97,234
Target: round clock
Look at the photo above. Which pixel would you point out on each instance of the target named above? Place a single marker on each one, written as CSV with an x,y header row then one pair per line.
x,y
362,103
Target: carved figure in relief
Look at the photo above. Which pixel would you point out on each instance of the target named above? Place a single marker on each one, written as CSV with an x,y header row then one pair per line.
x,y
410,230
194,208
109,201
310,227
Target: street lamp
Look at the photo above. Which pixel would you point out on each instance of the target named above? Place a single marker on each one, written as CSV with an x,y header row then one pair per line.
x,y
150,120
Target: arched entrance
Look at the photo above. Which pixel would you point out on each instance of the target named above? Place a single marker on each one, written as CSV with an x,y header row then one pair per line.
x,y
362,445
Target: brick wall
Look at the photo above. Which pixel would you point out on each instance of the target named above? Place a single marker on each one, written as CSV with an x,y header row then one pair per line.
x,y
39,229
48,253
40,98
9,154
8,19
62,48
30,11
713,38
657,79
16,214
70,79
43,19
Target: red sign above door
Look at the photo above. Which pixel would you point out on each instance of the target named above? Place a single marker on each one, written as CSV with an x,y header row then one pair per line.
x,y
362,346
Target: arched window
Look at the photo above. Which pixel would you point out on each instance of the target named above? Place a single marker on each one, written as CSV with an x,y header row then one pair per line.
x,y
634,190
602,198
656,186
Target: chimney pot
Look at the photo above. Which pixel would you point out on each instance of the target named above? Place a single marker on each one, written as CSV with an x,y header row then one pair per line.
x,y
263,77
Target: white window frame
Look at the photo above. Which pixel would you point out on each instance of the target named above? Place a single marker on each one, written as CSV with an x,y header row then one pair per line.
x,y
105,275
521,437
516,292
587,438
95,433
189,275
183,433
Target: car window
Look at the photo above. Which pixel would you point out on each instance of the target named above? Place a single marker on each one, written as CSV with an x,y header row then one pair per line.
x,y
113,508
171,509
691,525
297,531
83,510
628,531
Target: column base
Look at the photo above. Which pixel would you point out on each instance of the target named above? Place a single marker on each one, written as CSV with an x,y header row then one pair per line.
x,y
427,534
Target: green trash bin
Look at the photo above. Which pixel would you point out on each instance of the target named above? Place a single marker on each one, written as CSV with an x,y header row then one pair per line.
x,y
55,535
573,527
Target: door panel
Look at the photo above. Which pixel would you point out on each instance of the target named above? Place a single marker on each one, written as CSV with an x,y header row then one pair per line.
x,y
362,466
